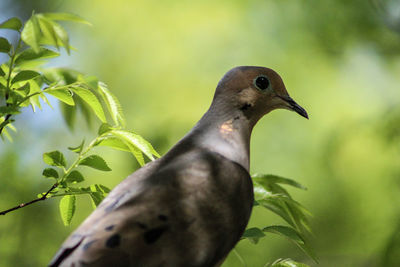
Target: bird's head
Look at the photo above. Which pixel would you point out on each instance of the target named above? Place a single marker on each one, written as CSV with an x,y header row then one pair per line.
x,y
255,91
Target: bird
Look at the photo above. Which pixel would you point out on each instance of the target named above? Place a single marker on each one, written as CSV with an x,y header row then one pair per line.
x,y
191,206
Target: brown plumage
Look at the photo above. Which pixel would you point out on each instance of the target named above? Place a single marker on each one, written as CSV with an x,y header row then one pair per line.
x,y
191,206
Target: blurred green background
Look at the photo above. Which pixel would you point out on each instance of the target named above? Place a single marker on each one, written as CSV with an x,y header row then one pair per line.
x,y
339,59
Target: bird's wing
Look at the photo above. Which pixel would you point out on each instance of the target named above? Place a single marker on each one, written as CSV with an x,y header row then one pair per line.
x,y
188,212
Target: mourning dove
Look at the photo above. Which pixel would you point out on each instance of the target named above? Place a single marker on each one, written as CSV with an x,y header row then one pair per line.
x,y
191,206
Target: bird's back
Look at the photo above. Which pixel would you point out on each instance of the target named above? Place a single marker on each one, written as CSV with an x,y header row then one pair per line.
x,y
189,211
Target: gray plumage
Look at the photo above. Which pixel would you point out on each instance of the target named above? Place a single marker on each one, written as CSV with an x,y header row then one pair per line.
x,y
191,206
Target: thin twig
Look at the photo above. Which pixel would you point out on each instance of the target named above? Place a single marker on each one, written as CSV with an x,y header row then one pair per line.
x,y
44,197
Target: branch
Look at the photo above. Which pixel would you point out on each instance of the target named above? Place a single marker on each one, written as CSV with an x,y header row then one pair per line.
x,y
44,197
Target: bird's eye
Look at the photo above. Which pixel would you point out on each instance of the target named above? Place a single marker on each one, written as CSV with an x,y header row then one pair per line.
x,y
262,83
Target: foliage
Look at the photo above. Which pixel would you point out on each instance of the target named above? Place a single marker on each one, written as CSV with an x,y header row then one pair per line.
x,y
269,194
23,82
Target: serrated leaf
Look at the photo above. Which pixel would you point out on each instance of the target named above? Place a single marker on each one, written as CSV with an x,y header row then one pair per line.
x,y
104,189
260,192
5,46
293,236
50,173
49,33
34,100
25,89
31,34
95,162
277,206
96,197
136,141
113,105
30,54
77,149
114,142
66,17
269,179
91,81
62,35
253,234
55,158
75,177
104,127
67,208
24,76
285,231
91,100
64,95
69,114
9,110
12,24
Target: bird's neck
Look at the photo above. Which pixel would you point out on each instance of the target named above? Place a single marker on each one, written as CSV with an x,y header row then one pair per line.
x,y
224,131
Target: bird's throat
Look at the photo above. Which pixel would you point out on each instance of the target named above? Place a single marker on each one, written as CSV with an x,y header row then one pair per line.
x,y
227,135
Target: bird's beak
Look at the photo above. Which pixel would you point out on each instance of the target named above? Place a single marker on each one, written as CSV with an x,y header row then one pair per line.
x,y
294,106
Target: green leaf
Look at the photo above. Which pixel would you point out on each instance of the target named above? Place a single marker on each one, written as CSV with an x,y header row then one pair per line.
x,y
4,45
62,35
114,142
55,158
64,95
69,114
34,100
66,17
91,81
24,76
77,149
293,236
25,89
113,105
104,127
75,177
285,231
31,34
67,208
95,162
9,110
12,24
30,54
91,100
269,179
50,173
2,73
97,197
260,192
253,234
287,263
136,141
49,33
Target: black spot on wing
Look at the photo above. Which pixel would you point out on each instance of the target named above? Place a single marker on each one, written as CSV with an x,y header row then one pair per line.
x,y
110,227
154,234
113,241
